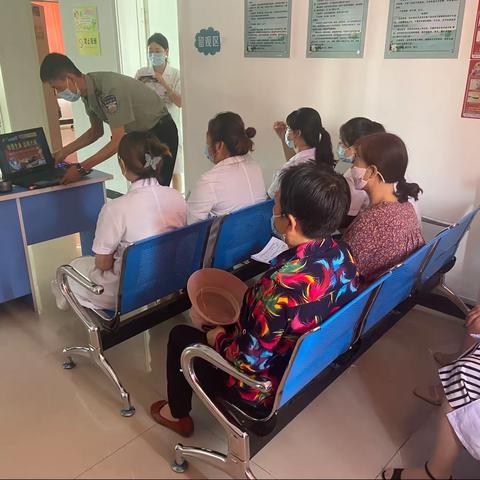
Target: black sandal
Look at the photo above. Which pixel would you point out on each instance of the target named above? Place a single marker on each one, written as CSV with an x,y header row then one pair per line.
x,y
397,473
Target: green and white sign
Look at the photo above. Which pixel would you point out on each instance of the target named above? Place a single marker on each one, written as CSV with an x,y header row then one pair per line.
x,y
424,28
267,28
336,28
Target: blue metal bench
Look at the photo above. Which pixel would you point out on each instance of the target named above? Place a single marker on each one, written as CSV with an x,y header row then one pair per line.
x,y
320,355
154,276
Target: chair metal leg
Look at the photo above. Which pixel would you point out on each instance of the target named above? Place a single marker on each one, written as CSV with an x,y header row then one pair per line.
x,y
236,462
95,352
444,291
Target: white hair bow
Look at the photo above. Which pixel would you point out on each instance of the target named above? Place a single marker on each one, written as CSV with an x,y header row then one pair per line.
x,y
151,161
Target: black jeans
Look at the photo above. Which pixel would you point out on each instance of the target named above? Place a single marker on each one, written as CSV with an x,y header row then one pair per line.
x,y
166,131
179,390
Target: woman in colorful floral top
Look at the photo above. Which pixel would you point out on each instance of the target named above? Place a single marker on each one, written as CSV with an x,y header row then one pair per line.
x,y
306,284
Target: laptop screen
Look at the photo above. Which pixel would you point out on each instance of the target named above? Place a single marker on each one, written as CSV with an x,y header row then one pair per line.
x,y
24,152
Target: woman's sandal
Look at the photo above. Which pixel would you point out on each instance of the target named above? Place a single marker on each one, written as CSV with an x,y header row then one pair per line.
x,y
432,394
397,474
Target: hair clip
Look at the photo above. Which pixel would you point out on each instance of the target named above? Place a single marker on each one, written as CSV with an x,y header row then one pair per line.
x,y
151,162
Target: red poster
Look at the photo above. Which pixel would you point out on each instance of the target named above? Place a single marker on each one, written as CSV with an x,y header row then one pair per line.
x,y
476,36
471,104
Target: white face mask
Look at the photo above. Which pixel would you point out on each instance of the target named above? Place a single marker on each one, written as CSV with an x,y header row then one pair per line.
x,y
357,174
288,142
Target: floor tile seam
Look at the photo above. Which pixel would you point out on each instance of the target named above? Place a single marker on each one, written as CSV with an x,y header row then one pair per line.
x,y
115,451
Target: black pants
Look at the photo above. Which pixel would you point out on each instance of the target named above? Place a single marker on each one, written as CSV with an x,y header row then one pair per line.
x,y
166,131
179,391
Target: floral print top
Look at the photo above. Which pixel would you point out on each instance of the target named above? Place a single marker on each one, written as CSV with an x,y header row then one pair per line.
x,y
304,287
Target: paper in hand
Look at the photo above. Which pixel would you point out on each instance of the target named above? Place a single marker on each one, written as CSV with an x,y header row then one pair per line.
x,y
271,250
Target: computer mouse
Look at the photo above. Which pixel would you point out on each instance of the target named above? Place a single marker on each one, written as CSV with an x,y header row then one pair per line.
x,y
5,186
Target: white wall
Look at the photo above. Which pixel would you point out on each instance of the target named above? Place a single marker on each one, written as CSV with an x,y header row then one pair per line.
x,y
419,99
23,93
108,61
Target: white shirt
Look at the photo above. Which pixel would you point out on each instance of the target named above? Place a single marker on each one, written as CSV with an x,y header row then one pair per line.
x,y
301,157
172,77
231,184
148,209
360,201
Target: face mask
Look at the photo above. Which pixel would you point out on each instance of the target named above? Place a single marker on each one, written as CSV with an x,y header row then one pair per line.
x,y
157,59
289,143
208,155
358,173
68,95
275,232
341,154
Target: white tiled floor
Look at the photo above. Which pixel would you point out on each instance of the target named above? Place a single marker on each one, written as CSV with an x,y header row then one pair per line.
x,y
66,424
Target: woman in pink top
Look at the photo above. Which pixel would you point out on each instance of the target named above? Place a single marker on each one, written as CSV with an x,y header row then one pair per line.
x,y
384,234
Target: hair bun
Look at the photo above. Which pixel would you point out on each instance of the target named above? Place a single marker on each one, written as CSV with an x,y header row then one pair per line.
x,y
250,132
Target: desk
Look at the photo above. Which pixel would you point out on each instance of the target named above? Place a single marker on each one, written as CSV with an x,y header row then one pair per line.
x,y
32,216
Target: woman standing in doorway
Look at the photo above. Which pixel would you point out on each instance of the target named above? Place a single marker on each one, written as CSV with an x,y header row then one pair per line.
x,y
164,79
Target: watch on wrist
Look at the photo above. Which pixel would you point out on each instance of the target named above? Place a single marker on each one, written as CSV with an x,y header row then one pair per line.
x,y
80,169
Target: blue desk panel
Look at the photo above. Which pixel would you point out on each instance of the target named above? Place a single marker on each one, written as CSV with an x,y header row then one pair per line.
x,y
14,280
63,212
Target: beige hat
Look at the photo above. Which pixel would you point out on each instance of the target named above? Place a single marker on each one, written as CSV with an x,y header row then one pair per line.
x,y
216,297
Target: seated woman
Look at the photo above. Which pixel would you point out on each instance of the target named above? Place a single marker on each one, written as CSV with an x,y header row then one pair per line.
x,y
303,139
305,285
147,209
235,181
460,417
388,231
351,132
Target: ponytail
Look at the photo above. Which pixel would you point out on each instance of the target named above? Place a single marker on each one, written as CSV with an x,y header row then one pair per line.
x,y
323,151
405,190
145,156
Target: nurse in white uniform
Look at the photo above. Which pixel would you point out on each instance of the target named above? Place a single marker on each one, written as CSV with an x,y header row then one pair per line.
x,y
303,139
235,180
164,79
148,209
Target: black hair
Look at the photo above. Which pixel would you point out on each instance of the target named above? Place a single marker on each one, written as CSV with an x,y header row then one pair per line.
x,y
318,198
389,154
228,127
308,122
56,66
358,127
159,39
135,148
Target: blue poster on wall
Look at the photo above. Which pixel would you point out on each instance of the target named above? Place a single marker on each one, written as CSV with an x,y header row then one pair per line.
x,y
207,41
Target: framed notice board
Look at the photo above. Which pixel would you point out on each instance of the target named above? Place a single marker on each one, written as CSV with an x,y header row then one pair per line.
x,y
337,29
424,28
267,28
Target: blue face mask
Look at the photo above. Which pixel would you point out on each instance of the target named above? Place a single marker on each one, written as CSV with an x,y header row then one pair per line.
x,y
289,143
208,155
157,59
68,95
342,155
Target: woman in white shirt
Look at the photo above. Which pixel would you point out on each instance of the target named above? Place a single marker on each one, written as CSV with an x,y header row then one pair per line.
x,y
148,209
164,79
303,139
235,181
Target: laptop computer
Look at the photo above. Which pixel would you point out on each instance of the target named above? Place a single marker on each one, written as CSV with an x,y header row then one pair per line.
x,y
26,160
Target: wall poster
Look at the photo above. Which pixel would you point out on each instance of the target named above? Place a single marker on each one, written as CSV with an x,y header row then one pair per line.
x,y
424,28
471,103
476,36
267,28
86,31
336,28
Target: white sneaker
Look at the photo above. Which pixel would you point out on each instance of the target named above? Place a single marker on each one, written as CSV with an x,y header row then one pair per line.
x,y
61,301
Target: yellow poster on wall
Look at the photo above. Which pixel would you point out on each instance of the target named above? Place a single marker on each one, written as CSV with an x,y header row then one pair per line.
x,y
86,31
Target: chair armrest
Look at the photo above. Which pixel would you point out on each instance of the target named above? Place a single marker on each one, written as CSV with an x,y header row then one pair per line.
x,y
67,271
437,223
74,274
212,357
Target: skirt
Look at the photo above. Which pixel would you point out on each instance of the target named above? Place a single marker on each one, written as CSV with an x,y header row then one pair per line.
x,y
461,382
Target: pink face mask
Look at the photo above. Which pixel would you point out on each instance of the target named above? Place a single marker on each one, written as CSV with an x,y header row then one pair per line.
x,y
357,174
